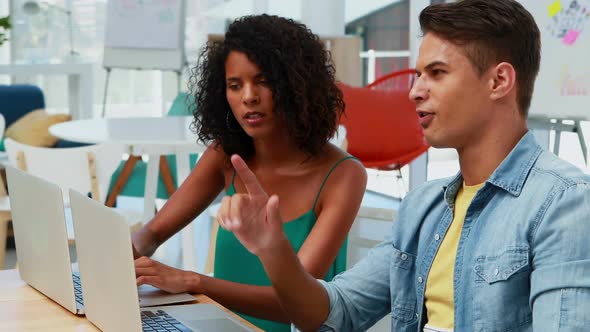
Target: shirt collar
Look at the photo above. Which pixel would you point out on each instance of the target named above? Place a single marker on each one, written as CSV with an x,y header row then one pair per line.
x,y
512,172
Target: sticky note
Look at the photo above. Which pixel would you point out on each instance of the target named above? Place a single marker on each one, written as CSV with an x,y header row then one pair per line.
x,y
554,8
570,37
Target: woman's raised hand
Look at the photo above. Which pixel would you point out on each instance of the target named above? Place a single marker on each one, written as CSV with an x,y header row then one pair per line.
x,y
253,217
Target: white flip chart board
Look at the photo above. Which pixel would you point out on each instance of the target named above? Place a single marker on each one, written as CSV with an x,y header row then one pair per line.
x,y
562,89
145,34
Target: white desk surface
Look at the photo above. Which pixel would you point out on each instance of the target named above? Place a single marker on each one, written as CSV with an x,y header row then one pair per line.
x,y
136,130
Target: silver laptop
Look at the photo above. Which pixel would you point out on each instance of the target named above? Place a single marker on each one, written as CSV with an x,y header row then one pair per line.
x,y
107,272
41,238
41,234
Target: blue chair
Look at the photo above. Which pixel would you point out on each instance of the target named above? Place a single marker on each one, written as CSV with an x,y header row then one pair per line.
x,y
19,99
135,185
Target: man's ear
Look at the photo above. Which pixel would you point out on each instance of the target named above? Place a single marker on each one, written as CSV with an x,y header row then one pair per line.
x,y
502,80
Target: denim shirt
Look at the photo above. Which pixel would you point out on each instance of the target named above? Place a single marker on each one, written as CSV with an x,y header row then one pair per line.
x,y
523,259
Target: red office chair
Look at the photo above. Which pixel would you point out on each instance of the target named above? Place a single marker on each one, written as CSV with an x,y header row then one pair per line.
x,y
399,81
382,127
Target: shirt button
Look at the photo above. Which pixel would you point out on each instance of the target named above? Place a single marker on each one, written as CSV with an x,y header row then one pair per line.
x,y
420,280
403,257
496,271
437,237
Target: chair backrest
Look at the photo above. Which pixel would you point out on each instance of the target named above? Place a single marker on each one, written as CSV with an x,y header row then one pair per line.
x,y
210,262
2,126
18,100
397,81
181,106
382,127
86,169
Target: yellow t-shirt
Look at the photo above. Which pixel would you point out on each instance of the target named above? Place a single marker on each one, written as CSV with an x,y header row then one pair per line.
x,y
439,284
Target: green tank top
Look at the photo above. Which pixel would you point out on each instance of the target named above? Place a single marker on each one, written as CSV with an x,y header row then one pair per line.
x,y
233,262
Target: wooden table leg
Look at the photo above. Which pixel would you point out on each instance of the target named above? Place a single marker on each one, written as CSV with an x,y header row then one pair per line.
x,y
122,180
4,219
166,174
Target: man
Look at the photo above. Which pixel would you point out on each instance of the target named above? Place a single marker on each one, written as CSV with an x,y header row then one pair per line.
x,y
503,246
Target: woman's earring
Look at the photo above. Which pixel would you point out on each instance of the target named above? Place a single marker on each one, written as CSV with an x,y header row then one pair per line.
x,y
229,126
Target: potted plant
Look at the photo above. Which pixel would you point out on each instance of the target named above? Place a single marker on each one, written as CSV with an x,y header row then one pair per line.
x,y
4,27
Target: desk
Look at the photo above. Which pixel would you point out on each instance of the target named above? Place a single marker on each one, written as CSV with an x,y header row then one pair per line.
x,y
154,136
22,308
80,82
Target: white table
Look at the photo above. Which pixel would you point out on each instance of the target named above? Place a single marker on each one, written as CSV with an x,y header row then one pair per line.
x,y
80,82
154,136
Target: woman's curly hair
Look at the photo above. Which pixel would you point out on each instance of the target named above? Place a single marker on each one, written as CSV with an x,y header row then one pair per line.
x,y
298,69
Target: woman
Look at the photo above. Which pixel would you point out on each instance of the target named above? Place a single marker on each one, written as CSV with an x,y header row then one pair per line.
x,y
266,93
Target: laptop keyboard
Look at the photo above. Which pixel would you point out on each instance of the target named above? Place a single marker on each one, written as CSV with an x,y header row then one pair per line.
x,y
160,321
151,321
77,288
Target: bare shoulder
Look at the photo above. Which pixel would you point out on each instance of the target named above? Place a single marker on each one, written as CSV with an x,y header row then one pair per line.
x,y
336,208
215,160
347,163
347,181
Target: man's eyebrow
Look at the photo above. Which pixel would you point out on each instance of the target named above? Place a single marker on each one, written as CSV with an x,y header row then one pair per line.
x,y
432,64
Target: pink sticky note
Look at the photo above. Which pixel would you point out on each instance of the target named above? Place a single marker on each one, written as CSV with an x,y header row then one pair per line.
x,y
570,37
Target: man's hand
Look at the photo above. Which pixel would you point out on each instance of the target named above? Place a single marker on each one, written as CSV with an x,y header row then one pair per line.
x,y
253,217
164,277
